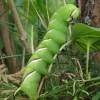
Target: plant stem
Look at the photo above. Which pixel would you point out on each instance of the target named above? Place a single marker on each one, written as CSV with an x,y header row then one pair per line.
x,y
87,62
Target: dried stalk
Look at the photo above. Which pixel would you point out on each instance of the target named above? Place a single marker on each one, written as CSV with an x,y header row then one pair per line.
x,y
19,26
15,78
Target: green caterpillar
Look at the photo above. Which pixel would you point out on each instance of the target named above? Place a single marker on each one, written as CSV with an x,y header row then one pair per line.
x,y
43,56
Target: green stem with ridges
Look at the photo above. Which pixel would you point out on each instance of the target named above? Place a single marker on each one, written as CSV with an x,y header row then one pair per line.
x,y
87,62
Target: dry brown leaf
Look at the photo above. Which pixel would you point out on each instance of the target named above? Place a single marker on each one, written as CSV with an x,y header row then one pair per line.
x,y
4,79
7,91
2,66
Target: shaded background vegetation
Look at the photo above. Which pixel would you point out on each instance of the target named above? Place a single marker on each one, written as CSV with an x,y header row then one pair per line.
x,y
19,37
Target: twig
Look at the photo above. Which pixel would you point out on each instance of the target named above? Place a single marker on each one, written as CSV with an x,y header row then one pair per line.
x,y
47,11
69,29
64,2
49,70
27,12
41,84
81,72
44,24
19,26
79,4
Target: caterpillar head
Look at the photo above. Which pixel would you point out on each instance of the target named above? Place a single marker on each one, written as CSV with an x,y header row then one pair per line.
x,y
74,14
68,12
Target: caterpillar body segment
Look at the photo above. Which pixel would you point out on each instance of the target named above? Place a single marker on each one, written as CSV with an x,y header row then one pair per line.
x,y
65,15
58,25
43,56
52,45
35,64
56,35
31,82
41,53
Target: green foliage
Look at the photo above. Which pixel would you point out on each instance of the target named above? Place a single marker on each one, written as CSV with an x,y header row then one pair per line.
x,y
84,36
97,96
81,86
68,79
87,36
6,90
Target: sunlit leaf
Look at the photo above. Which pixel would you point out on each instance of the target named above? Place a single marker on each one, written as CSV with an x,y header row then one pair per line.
x,y
85,35
97,96
75,98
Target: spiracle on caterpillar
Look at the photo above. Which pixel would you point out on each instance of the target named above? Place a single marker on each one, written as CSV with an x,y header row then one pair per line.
x,y
48,49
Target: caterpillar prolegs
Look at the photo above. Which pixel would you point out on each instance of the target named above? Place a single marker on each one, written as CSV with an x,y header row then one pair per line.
x,y
43,56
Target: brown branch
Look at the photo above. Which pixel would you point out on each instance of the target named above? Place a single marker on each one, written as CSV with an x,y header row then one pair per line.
x,y
19,26
79,4
41,84
9,47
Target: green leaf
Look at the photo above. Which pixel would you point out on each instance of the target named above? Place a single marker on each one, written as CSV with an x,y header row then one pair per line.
x,y
82,30
75,98
97,96
83,47
85,35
